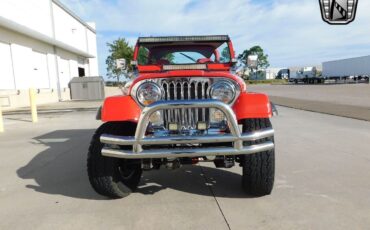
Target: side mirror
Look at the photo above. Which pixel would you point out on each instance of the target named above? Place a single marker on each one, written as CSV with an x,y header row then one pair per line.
x,y
133,63
252,61
121,64
234,61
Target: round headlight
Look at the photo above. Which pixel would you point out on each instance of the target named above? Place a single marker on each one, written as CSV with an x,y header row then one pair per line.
x,y
223,91
148,92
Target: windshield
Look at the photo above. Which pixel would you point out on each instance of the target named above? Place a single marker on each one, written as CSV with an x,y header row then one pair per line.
x,y
184,54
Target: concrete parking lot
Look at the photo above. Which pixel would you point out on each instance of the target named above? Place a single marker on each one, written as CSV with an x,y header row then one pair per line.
x,y
343,94
345,100
322,181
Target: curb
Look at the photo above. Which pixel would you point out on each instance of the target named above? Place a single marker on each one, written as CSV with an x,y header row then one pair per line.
x,y
49,111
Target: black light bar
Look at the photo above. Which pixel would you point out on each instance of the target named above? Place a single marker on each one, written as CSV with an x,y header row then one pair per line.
x,y
224,38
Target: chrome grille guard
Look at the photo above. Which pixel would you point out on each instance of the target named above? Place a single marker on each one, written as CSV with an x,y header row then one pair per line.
x,y
235,136
186,89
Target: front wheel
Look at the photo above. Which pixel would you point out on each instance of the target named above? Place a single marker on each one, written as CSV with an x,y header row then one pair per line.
x,y
258,168
112,177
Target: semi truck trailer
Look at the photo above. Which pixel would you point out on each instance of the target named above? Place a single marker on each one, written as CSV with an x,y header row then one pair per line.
x,y
347,69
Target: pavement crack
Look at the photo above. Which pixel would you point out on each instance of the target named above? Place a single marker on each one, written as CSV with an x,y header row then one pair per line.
x,y
214,196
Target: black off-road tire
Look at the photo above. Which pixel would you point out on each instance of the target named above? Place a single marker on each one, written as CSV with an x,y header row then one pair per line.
x,y
258,168
112,177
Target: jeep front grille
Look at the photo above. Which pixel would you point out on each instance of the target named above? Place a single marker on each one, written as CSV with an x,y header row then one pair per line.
x,y
185,89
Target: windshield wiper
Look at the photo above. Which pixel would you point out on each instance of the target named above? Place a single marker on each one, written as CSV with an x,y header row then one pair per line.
x,y
188,57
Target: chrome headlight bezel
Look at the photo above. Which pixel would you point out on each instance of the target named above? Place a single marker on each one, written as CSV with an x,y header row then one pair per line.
x,y
147,101
227,84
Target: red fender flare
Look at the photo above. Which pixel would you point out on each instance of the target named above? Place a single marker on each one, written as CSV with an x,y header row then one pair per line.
x,y
120,108
252,105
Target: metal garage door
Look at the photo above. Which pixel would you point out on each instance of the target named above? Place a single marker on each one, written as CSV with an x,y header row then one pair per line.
x,y
6,67
40,71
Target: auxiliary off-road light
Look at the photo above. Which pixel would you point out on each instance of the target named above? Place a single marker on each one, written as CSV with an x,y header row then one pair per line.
x,y
201,125
185,67
155,117
173,126
184,39
217,115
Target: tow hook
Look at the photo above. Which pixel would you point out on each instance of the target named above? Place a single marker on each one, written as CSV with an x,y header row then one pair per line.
x,y
224,162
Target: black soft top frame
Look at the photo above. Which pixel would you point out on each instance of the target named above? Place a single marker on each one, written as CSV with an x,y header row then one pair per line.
x,y
191,39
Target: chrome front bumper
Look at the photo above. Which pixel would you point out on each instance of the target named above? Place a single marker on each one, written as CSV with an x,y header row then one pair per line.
x,y
235,136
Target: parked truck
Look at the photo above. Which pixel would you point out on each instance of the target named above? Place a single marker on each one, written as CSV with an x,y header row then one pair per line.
x,y
283,74
308,75
347,69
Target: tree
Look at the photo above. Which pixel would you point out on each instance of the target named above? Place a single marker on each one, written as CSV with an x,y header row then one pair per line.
x,y
118,49
262,62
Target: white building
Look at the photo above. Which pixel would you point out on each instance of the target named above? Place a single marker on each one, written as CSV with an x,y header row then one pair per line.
x,y
43,45
271,73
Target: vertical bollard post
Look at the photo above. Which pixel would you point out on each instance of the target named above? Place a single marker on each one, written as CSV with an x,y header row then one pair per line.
x,y
33,105
1,120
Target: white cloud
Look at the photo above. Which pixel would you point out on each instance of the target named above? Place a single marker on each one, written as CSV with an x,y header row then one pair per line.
x,y
291,32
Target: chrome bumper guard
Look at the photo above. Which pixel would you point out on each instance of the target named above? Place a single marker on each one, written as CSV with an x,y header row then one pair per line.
x,y
235,136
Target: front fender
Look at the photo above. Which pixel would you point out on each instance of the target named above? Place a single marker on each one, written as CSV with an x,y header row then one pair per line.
x,y
252,105
120,108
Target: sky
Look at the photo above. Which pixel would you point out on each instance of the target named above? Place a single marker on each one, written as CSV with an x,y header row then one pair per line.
x,y
291,32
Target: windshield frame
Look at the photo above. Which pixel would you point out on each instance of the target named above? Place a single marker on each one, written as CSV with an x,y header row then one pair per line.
x,y
155,67
183,54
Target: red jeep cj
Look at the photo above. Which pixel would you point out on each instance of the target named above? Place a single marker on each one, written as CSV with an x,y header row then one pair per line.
x,y
185,106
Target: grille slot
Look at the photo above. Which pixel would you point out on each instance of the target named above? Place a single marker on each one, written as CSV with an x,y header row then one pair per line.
x,y
185,89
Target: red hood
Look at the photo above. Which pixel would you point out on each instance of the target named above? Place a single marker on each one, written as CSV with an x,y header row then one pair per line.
x,y
190,73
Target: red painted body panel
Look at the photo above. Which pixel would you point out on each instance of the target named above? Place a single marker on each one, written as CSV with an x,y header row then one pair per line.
x,y
136,52
252,105
158,68
120,108
149,68
248,105
232,51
